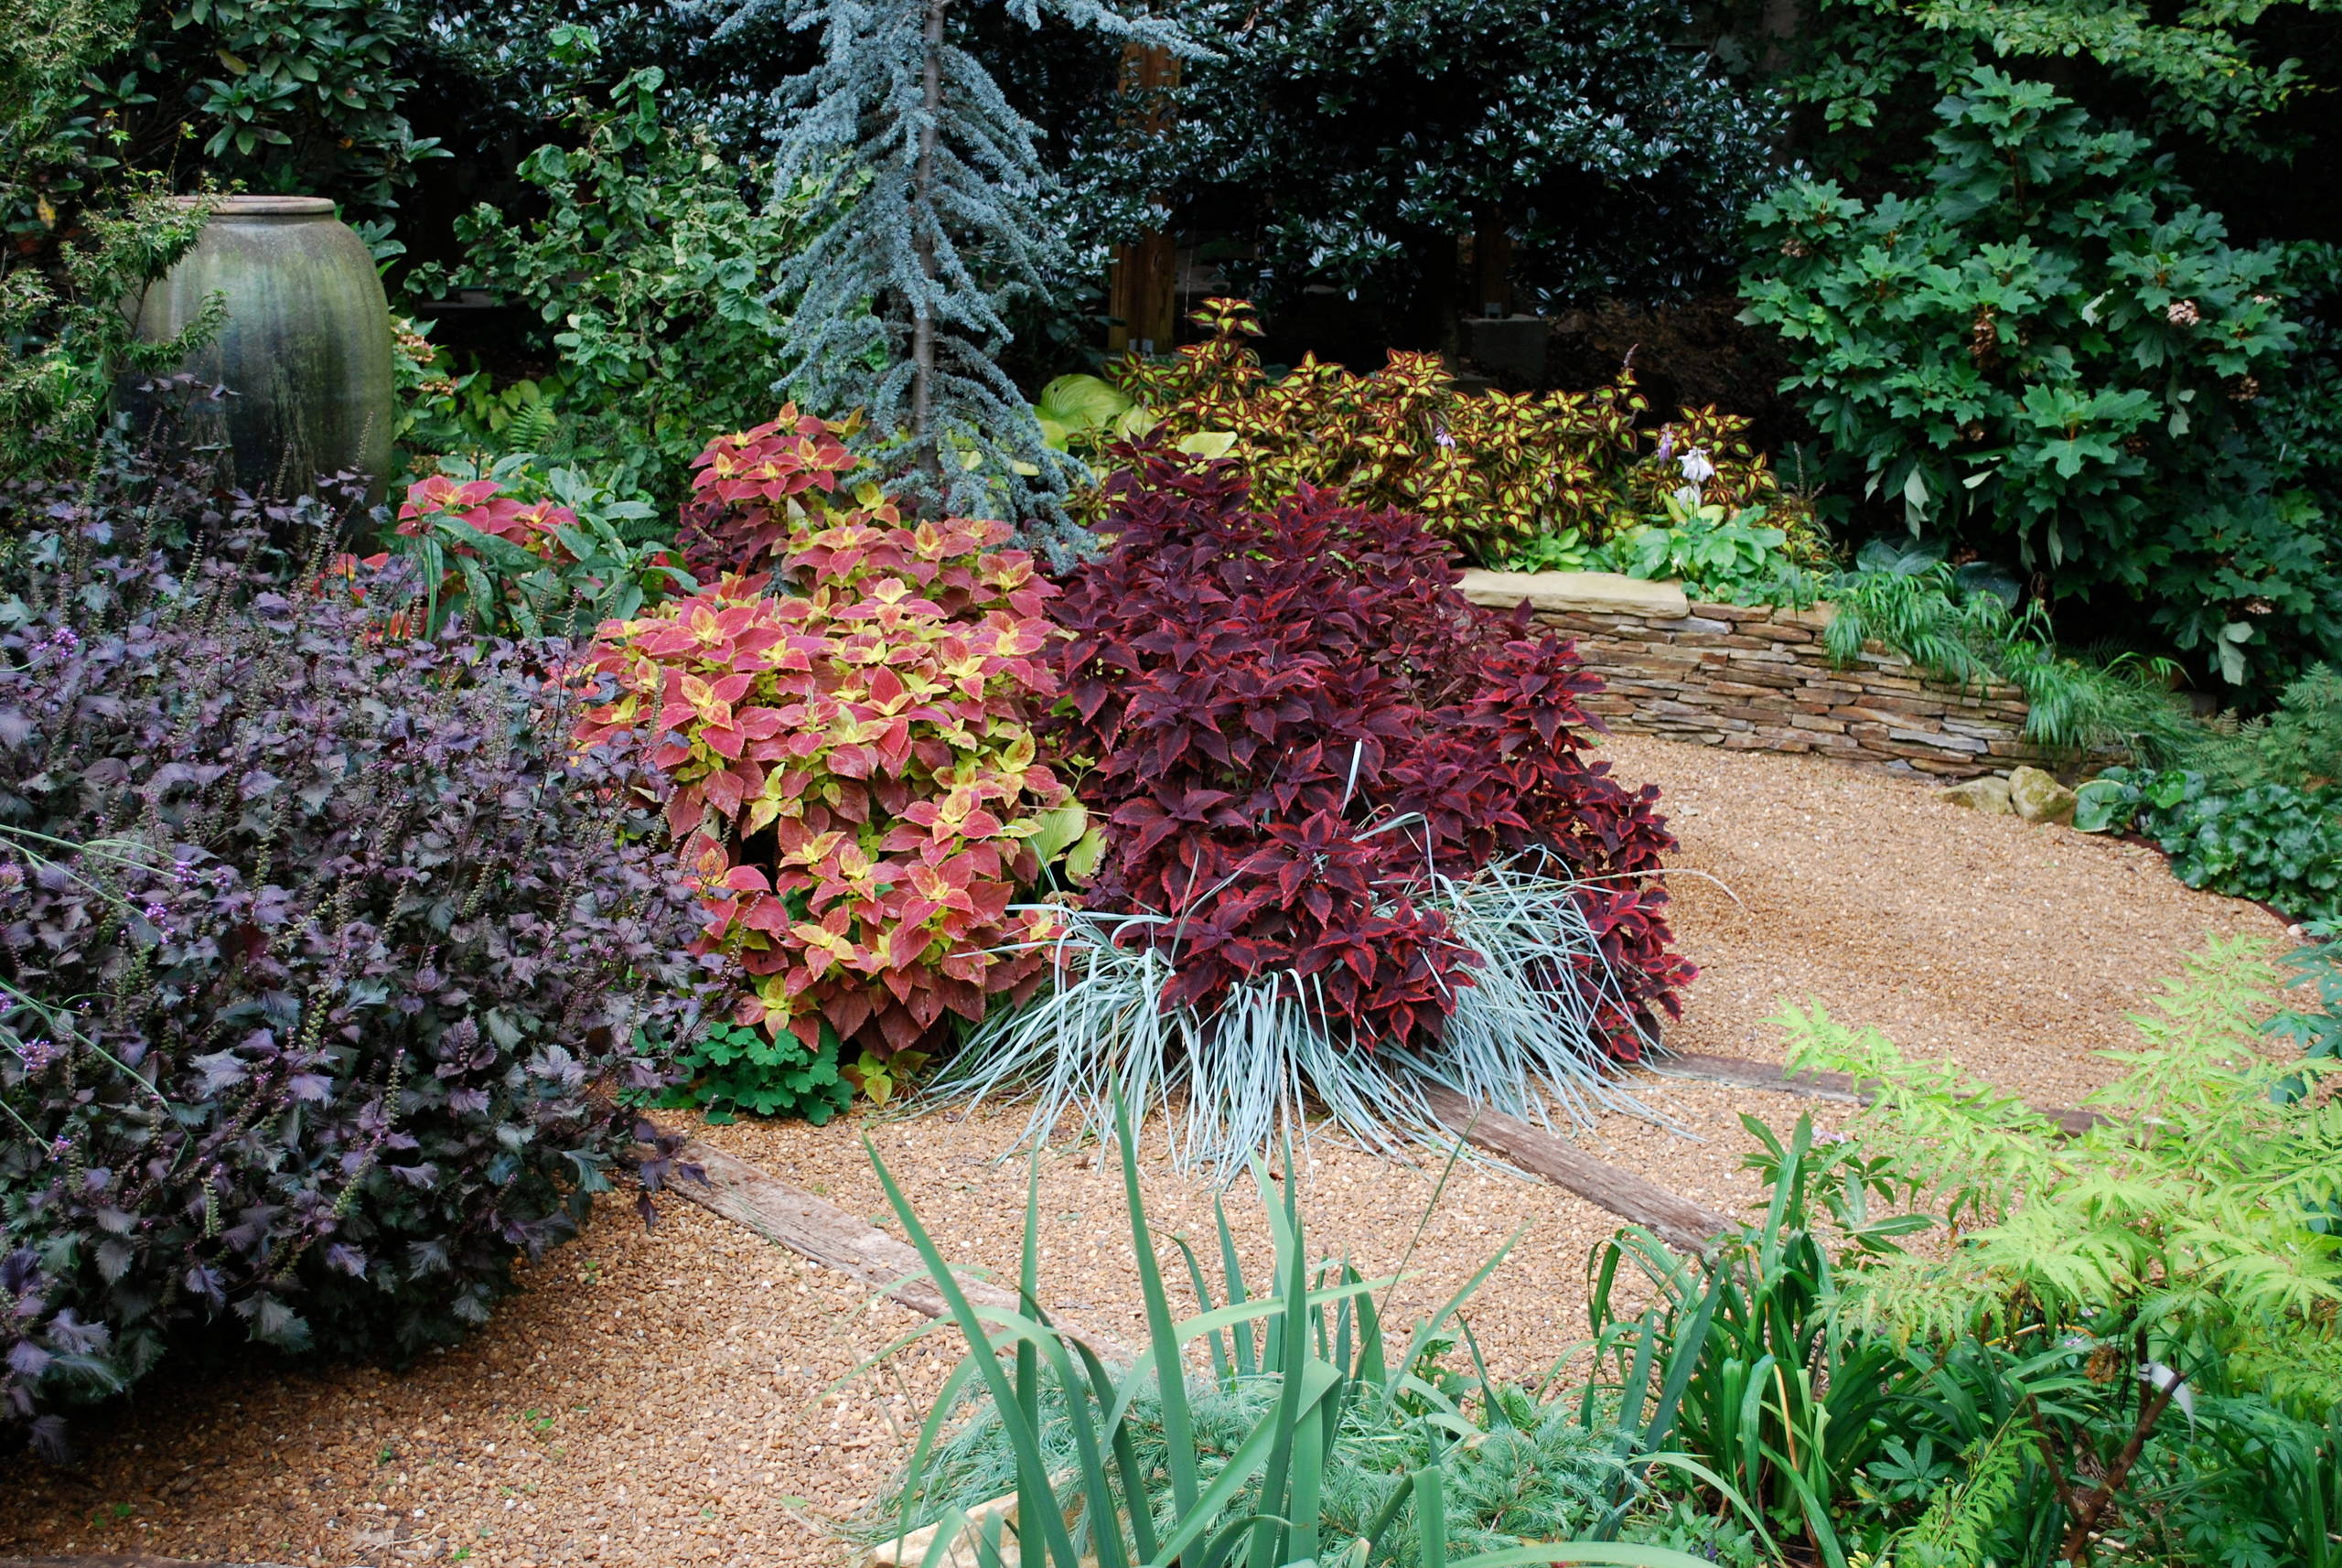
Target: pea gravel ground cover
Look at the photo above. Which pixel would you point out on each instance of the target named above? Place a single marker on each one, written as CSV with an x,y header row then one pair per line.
x,y
685,1396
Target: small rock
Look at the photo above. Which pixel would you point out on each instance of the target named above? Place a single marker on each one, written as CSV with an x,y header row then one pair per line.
x,y
2038,798
1989,795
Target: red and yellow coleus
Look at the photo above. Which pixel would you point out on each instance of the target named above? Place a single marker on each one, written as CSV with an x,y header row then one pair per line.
x,y
854,774
483,504
755,490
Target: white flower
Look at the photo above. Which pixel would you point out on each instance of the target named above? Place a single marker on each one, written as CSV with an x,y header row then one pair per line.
x,y
1697,469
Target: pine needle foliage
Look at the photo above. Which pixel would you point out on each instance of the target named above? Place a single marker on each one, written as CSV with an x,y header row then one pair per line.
x,y
936,232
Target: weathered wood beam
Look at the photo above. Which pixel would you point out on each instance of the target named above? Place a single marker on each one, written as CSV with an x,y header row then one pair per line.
x,y
1677,1221
782,1211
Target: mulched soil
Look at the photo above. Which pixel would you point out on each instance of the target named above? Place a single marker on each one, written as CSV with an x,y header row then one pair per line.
x,y
688,1395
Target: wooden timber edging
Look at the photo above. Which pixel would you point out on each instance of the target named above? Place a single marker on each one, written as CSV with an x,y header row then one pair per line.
x,y
782,1211
1680,1223
1742,1073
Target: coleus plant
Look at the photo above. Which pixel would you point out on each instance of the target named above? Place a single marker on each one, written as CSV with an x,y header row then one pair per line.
x,y
1491,471
513,549
852,768
752,491
1293,719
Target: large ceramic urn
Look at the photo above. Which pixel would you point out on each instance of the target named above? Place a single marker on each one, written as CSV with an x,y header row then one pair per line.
x,y
306,351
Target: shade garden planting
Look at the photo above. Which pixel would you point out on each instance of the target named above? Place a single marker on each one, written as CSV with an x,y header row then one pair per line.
x,y
898,597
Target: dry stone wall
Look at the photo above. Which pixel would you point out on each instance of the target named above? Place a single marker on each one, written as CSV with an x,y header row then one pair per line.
x,y
1757,679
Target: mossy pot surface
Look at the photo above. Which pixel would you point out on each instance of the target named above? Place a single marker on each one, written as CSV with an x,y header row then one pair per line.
x,y
305,348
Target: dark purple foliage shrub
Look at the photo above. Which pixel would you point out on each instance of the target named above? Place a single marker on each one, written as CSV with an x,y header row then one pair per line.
x,y
1291,717
326,962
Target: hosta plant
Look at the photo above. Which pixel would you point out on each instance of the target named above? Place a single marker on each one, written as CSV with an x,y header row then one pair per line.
x,y
851,767
1311,751
1492,472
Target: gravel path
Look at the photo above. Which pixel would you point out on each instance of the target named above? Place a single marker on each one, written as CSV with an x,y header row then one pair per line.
x,y
686,1395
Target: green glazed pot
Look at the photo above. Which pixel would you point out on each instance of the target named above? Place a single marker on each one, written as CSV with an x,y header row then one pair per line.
x,y
306,351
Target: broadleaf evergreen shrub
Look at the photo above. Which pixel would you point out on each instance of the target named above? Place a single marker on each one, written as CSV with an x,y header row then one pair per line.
x,y
2044,343
1291,720
324,954
651,272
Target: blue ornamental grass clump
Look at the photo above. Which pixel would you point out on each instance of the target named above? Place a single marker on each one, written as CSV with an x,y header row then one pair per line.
x,y
326,962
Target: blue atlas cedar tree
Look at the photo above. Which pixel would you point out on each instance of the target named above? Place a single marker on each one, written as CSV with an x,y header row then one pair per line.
x,y
936,228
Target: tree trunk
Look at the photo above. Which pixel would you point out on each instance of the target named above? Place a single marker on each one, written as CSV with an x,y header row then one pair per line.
x,y
925,214
1143,279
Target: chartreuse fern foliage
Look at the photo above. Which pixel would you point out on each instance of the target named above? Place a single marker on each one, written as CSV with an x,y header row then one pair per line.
x,y
2182,1248
1279,1426
2210,1222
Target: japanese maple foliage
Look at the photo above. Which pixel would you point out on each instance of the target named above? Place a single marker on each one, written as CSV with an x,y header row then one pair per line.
x,y
854,771
1292,718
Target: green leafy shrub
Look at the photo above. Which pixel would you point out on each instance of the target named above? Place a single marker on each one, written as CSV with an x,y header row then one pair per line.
x,y
2048,347
1311,1439
79,233
731,1070
2098,1279
2271,841
1603,144
652,271
301,98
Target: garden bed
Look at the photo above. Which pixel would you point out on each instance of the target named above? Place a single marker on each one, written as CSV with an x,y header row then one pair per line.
x,y
660,1397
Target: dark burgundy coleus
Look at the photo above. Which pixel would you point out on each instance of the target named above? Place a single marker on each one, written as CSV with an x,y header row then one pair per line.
x,y
1292,716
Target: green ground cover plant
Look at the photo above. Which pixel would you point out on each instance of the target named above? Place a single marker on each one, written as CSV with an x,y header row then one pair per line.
x,y
1968,625
2276,842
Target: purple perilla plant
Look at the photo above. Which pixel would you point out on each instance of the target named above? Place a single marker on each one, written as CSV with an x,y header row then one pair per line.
x,y
347,962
